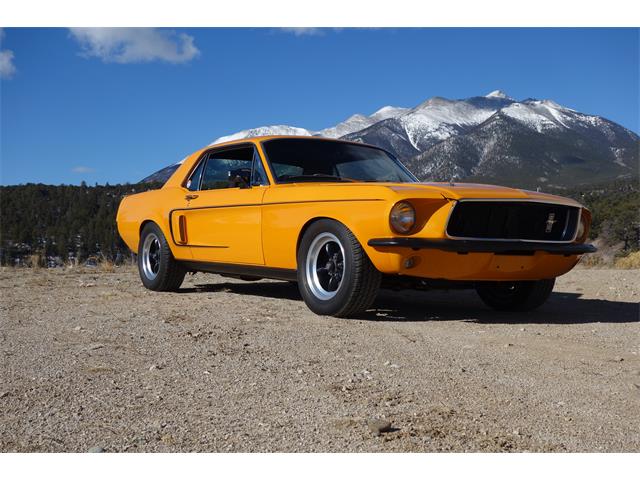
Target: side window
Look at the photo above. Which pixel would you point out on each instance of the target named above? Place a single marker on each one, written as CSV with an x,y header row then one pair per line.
x,y
194,181
259,175
228,169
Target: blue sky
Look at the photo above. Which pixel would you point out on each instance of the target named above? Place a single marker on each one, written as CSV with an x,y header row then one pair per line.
x,y
107,106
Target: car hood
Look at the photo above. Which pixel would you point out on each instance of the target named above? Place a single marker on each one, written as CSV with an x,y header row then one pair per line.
x,y
459,191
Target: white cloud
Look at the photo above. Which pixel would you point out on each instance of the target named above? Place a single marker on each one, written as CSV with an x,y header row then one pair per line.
x,y
131,45
82,169
300,31
7,68
309,31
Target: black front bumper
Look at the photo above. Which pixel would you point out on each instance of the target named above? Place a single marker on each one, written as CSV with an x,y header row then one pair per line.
x,y
509,247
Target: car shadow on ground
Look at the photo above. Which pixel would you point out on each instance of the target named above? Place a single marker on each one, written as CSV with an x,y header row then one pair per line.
x,y
449,305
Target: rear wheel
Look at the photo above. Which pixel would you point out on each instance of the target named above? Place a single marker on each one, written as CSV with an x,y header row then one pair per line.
x,y
158,269
515,296
335,276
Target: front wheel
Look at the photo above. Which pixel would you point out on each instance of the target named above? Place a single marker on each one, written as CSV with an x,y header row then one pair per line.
x,y
515,296
335,275
158,269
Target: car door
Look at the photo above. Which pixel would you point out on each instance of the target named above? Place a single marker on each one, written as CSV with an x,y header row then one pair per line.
x,y
222,220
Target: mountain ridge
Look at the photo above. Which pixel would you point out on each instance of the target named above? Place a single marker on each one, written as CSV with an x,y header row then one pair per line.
x,y
494,137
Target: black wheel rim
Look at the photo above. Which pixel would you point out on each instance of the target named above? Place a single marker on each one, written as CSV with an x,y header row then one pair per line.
x,y
151,256
325,266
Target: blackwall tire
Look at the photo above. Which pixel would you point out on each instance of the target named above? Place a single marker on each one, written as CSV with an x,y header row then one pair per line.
x,y
515,296
335,275
158,270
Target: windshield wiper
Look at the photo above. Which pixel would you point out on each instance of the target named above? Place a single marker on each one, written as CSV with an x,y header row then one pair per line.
x,y
317,176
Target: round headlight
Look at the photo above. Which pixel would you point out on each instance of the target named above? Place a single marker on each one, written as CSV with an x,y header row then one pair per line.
x,y
402,217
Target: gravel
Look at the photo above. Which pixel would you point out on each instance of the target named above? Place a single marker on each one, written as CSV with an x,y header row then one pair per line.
x,y
92,361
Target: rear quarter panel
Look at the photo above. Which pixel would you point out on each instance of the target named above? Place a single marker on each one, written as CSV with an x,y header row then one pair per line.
x,y
154,205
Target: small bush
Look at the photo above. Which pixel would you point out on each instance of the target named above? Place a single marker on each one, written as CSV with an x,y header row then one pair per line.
x,y
105,265
36,260
592,260
631,261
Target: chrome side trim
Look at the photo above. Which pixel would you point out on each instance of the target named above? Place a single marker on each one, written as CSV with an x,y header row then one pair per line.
x,y
532,200
575,234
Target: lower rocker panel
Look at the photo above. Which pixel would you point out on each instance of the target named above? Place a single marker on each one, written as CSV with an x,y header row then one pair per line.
x,y
242,270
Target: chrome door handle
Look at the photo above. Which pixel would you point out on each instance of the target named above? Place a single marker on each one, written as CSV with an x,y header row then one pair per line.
x,y
190,196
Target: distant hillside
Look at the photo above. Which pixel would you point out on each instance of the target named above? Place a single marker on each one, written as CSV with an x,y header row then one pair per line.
x,y
615,207
62,223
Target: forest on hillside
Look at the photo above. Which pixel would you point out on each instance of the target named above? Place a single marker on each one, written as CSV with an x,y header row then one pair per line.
x,y
615,207
62,223
67,223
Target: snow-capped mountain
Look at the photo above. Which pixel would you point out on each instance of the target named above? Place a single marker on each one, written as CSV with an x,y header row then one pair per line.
x,y
497,139
352,124
534,143
498,94
489,138
261,131
359,122
433,121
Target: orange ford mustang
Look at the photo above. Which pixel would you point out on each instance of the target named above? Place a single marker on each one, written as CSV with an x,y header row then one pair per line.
x,y
341,219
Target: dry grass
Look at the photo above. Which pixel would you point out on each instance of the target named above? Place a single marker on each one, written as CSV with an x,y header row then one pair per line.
x,y
105,265
593,261
602,259
36,260
631,261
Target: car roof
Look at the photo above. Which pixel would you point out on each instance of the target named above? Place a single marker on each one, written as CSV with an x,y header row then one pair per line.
x,y
179,175
263,138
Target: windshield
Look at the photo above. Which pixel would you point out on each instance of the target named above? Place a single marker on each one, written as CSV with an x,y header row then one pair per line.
x,y
309,159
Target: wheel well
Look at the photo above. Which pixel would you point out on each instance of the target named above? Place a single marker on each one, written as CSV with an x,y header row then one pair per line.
x,y
307,225
142,225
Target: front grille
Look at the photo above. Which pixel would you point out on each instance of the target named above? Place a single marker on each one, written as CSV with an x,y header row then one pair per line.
x,y
513,220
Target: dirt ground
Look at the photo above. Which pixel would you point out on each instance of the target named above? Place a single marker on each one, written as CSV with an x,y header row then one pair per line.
x,y
93,361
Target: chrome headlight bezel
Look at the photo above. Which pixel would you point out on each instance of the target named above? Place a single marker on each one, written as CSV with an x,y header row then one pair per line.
x,y
402,217
582,229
